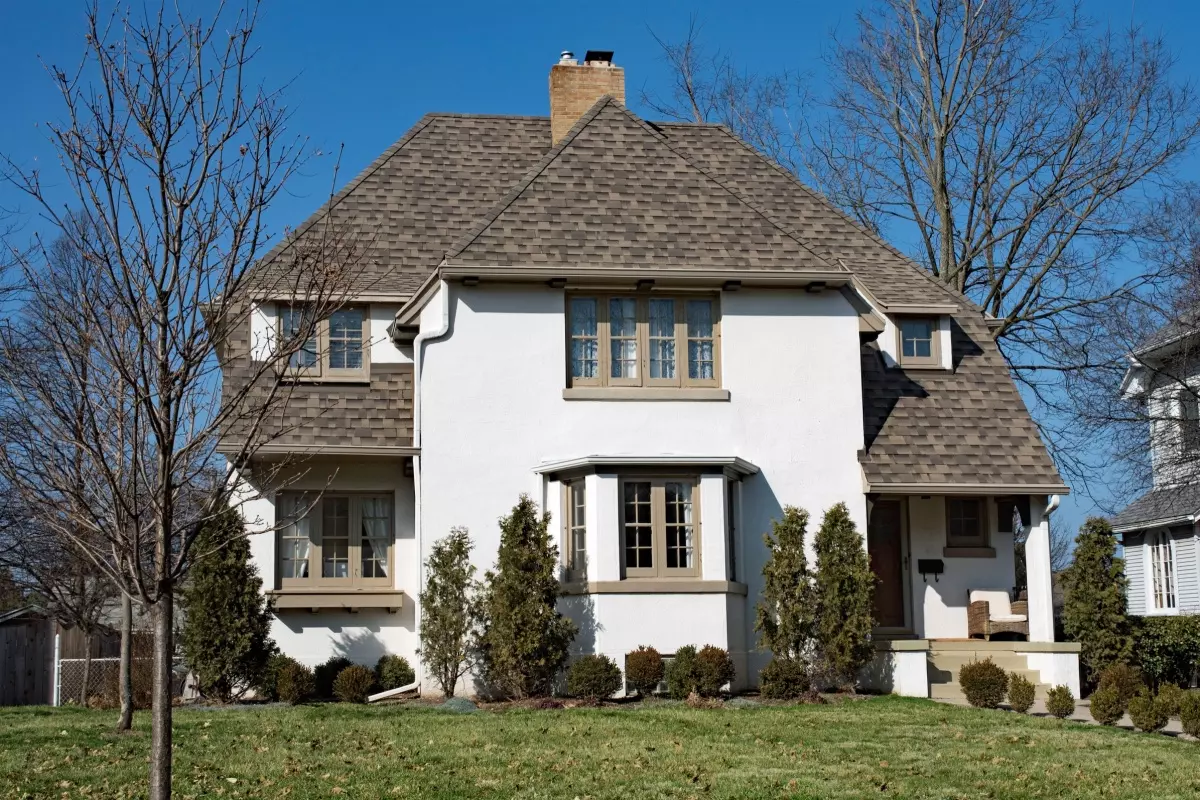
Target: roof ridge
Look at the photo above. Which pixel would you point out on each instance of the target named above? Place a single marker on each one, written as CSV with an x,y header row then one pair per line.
x,y
475,115
463,242
862,228
755,207
345,191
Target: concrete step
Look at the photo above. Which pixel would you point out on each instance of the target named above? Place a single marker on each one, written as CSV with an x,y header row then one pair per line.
x,y
937,675
955,659
953,691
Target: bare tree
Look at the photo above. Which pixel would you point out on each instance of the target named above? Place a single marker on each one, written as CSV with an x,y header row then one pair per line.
x,y
1013,141
170,157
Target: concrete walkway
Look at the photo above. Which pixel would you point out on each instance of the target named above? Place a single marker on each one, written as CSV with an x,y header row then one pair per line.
x,y
1083,714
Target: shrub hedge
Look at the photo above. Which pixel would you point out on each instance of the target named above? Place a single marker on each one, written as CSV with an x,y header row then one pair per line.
x,y
593,677
1171,696
1189,713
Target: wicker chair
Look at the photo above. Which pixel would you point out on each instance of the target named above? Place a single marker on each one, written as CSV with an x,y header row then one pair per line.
x,y
990,611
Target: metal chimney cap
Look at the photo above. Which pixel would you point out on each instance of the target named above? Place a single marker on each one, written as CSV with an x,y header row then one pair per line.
x,y
567,57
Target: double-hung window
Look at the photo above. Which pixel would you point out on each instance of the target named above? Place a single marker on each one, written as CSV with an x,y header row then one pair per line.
x,y
643,340
1161,561
660,533
335,540
336,347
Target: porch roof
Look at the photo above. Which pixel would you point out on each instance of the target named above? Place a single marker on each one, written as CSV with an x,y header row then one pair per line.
x,y
736,466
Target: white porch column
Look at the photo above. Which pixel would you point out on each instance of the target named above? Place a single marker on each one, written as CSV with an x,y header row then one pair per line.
x,y
1037,571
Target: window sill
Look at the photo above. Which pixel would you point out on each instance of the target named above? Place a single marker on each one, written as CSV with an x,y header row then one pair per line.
x,y
968,552
644,393
653,586
300,380
340,599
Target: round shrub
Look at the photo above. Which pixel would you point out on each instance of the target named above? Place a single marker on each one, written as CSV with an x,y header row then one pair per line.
x,y
354,684
1021,692
295,683
1171,696
644,670
1147,713
327,672
1189,713
1107,706
392,672
593,677
1060,702
713,669
268,687
680,673
1126,680
785,679
984,683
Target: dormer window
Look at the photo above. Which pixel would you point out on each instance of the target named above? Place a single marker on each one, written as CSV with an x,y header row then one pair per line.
x,y
336,351
919,342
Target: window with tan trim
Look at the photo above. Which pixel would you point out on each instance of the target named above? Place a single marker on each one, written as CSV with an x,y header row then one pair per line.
x,y
966,522
335,540
660,527
575,529
339,349
919,345
643,340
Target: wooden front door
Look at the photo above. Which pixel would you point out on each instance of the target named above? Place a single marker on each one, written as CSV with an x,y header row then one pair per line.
x,y
884,547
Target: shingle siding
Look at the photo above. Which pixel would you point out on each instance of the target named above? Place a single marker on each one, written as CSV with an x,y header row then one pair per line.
x,y
1135,572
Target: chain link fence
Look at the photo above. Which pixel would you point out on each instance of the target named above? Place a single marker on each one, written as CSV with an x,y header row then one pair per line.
x,y
103,682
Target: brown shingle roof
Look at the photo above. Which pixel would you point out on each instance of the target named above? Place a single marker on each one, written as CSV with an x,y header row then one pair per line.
x,y
621,192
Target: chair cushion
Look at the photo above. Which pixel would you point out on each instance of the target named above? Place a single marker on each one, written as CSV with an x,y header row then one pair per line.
x,y
997,600
1006,617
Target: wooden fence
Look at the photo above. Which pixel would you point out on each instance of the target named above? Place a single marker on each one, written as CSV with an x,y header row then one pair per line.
x,y
27,662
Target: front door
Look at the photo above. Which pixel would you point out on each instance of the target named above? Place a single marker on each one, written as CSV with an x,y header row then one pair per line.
x,y
885,548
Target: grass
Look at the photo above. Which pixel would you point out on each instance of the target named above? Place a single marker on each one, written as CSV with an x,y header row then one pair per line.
x,y
883,747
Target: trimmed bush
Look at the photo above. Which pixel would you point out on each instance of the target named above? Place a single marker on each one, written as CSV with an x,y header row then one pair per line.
x,y
844,587
268,687
593,677
1167,648
392,672
680,673
644,670
1021,692
326,673
785,617
1189,713
354,684
1126,680
1094,602
1171,696
1147,713
1060,702
449,607
1107,705
295,683
983,683
785,679
713,669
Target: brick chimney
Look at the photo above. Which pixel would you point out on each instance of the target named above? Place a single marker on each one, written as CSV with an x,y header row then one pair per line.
x,y
574,87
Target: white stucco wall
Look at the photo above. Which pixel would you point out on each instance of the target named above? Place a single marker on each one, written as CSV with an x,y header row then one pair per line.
x,y
493,409
361,636
940,607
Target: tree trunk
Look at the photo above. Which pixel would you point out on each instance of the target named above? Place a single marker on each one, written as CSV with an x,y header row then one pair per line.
x,y
125,678
160,736
87,670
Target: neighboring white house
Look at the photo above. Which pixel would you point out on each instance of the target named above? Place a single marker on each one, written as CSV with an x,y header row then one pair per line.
x,y
664,339
1161,529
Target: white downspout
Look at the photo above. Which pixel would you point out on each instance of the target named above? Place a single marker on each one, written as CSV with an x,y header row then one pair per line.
x,y
419,343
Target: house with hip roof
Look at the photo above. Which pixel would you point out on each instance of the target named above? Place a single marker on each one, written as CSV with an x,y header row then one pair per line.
x,y
664,338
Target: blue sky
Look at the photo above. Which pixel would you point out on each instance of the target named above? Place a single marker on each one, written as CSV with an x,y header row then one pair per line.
x,y
360,73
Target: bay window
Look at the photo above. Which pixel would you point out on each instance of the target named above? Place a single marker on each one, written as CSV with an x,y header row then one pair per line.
x,y
660,527
575,529
334,540
643,340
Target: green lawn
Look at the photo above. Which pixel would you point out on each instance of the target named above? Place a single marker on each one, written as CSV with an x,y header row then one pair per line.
x,y
884,747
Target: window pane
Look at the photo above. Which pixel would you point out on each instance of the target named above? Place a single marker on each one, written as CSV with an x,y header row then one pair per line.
x,y
662,338
680,531
1162,567
577,541
376,536
294,539
917,338
346,339
700,339
585,338
335,537
293,321
622,327
964,521
639,537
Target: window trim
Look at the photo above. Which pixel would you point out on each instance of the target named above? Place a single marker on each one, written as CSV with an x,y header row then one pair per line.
x,y
934,360
571,523
603,337
658,528
1189,427
322,371
1148,546
313,503
982,541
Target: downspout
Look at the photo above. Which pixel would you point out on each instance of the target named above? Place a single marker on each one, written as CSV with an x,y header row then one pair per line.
x,y
419,343
1051,506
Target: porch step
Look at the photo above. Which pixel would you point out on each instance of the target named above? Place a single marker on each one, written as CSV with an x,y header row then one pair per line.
x,y
947,658
953,691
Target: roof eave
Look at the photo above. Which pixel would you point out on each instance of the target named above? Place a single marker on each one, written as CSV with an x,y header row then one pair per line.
x,y
1162,522
966,488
